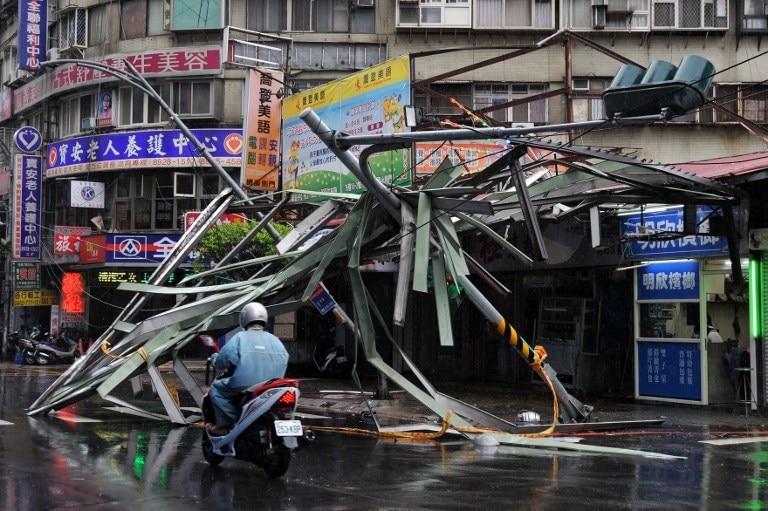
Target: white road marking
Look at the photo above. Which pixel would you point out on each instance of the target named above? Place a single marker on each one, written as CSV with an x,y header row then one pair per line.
x,y
736,441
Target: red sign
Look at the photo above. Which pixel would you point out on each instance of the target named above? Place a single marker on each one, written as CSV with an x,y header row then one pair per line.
x,y
93,249
189,61
72,293
66,240
226,218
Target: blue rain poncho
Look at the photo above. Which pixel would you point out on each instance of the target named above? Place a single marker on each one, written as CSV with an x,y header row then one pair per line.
x,y
250,357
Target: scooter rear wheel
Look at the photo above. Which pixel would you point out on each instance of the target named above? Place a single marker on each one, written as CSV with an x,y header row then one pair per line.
x,y
211,457
41,360
278,466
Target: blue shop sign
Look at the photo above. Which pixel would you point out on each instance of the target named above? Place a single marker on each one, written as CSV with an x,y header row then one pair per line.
x,y
670,281
143,149
669,369
652,234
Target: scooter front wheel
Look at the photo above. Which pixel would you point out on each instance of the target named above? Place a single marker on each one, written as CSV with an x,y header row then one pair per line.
x,y
278,465
211,457
29,359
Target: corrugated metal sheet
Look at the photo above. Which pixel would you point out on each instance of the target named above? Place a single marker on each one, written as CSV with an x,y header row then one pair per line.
x,y
728,166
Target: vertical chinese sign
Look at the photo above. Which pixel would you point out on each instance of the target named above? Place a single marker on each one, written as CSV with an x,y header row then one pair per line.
x,y
33,28
261,158
72,313
27,206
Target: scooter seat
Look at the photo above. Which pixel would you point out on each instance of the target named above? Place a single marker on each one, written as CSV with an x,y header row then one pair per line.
x,y
270,384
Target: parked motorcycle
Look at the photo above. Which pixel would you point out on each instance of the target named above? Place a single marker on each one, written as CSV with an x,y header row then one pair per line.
x,y
59,349
331,360
266,432
30,344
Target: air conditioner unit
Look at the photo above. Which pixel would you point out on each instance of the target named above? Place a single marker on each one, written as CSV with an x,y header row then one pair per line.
x,y
363,3
54,54
522,125
619,6
599,15
88,123
16,77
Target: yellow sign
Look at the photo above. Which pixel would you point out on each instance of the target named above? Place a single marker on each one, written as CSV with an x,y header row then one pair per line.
x,y
34,298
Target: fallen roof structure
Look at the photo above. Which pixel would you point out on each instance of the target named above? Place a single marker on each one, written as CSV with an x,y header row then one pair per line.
x,y
421,228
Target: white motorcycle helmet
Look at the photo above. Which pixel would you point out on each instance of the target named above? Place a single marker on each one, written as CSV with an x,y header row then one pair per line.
x,y
253,313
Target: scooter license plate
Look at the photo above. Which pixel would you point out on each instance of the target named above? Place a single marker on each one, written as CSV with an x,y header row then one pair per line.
x,y
288,428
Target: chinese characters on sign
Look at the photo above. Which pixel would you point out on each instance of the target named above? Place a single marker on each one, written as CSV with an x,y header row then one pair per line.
x,y
174,62
72,293
33,28
261,158
369,102
66,239
669,369
642,228
27,213
150,148
668,281
26,275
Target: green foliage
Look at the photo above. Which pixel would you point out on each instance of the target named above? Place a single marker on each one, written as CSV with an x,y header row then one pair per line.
x,y
220,240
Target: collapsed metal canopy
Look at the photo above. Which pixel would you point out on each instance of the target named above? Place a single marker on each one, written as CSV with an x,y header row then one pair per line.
x,y
417,226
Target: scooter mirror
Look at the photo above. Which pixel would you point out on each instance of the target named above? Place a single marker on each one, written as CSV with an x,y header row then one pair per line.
x,y
208,341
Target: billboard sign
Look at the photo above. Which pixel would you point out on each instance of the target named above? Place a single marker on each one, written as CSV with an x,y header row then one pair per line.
x,y
369,102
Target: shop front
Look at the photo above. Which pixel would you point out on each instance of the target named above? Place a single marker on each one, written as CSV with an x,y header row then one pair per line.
x,y
690,346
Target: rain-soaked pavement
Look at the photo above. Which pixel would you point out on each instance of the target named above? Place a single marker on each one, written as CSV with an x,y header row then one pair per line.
x,y
88,457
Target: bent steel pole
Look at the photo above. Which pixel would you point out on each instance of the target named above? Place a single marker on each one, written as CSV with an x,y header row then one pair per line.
x,y
571,409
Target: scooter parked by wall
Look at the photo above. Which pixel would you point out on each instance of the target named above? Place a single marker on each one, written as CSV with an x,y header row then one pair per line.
x,y
30,344
266,432
59,349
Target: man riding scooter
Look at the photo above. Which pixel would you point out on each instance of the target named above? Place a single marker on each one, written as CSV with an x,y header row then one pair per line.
x,y
252,356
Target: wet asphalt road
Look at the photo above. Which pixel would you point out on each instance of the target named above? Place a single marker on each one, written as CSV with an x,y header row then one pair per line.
x,y
116,461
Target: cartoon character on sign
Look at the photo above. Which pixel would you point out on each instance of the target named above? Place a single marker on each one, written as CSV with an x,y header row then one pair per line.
x,y
393,114
293,164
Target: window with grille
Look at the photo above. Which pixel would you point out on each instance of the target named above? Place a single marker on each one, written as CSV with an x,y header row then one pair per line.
x,y
73,29
690,14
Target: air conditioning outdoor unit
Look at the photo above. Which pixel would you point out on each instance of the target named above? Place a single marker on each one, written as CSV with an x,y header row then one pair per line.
x,y
363,3
522,125
599,15
16,77
54,54
88,123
